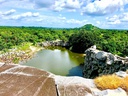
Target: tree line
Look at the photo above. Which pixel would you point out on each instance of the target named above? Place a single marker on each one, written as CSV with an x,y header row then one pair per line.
x,y
114,41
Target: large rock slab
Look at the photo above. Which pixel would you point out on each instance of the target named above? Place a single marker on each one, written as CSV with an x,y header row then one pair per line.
x,y
16,80
74,86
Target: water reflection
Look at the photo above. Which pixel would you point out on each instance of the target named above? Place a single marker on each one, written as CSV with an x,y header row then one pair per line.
x,y
76,71
57,60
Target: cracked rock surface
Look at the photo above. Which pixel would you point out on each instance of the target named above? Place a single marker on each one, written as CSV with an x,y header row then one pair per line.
x,y
16,80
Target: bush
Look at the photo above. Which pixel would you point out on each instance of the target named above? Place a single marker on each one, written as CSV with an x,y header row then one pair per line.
x,y
79,42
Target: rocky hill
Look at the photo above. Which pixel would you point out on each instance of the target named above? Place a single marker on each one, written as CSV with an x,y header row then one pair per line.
x,y
89,27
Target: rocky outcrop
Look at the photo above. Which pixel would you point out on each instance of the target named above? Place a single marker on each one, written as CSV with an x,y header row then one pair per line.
x,y
55,43
99,62
17,80
74,86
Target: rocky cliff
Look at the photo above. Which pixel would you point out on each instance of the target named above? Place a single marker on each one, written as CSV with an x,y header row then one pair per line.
x,y
17,80
99,62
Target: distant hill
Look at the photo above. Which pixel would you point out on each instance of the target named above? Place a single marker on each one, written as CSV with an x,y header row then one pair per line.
x,y
89,27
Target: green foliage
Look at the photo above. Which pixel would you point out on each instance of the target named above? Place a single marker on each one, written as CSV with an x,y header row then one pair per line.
x,y
16,60
13,36
89,27
83,40
114,41
24,46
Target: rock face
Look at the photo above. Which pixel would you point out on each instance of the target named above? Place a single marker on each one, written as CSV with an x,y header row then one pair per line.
x,y
17,80
99,62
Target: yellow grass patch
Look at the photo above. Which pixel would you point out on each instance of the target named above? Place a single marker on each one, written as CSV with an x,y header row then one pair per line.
x,y
108,82
111,82
125,84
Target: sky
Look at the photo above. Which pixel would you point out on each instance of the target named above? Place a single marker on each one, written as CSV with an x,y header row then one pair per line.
x,y
107,14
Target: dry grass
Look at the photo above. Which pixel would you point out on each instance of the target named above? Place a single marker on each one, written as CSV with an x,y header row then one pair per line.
x,y
111,82
108,82
125,84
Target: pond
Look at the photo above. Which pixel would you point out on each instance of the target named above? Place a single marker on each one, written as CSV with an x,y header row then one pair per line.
x,y
58,60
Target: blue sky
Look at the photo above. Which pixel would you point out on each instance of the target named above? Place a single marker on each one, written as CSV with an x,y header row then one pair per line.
x,y
108,14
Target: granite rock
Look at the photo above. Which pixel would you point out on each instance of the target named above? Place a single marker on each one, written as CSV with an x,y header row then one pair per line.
x,y
99,63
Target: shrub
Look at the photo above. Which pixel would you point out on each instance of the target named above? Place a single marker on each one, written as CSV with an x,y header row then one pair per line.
x,y
108,82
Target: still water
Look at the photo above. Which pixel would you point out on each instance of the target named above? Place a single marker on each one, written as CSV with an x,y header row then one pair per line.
x,y
58,60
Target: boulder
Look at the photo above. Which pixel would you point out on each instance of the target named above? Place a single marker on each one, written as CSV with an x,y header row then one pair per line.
x,y
101,56
99,63
121,74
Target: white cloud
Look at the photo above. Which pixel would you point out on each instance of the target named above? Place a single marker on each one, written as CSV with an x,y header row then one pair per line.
x,y
24,15
124,17
21,4
60,20
118,19
114,22
58,5
43,3
73,21
103,7
113,18
9,12
72,4
89,7
98,22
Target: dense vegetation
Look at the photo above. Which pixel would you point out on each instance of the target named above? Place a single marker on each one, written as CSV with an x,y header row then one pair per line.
x,y
114,41
13,36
